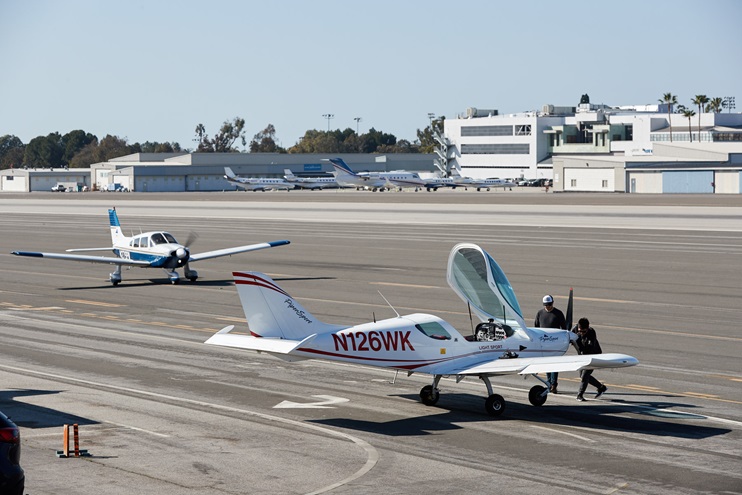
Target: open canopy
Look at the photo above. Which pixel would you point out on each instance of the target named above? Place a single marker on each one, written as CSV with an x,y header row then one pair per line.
x,y
477,279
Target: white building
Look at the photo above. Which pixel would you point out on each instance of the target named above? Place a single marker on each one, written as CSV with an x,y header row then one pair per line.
x,y
563,143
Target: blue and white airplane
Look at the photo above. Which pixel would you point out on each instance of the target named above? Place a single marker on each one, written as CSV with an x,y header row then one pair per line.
x,y
256,183
155,249
312,183
375,181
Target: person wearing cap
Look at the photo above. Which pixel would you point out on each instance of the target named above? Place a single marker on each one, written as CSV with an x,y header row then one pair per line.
x,y
550,317
587,343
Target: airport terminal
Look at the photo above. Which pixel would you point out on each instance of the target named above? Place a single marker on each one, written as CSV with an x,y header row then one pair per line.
x,y
584,148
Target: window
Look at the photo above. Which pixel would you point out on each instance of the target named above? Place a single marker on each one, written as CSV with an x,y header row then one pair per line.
x,y
573,183
434,330
523,130
487,130
604,184
495,149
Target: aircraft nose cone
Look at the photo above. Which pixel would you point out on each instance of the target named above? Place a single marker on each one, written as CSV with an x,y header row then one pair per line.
x,y
181,253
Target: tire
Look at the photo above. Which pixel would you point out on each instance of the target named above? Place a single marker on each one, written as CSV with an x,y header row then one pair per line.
x,y
535,396
429,395
494,405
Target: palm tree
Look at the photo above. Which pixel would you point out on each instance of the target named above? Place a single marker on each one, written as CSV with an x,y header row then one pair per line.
x,y
715,105
688,113
670,99
700,100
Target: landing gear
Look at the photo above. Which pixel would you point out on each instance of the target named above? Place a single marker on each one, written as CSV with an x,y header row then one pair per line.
x,y
430,394
173,277
115,276
191,275
537,395
494,405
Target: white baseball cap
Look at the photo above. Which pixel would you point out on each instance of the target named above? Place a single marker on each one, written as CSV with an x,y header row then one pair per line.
x,y
548,300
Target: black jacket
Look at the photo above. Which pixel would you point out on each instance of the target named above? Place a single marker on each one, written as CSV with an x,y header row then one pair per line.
x,y
588,343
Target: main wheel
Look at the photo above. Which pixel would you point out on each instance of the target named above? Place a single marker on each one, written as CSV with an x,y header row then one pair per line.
x,y
429,395
494,405
536,395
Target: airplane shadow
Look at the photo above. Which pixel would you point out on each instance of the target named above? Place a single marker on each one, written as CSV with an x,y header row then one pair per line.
x,y
135,283
648,417
33,416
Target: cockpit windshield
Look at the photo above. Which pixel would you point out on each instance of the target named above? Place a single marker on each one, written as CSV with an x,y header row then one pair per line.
x,y
163,238
490,297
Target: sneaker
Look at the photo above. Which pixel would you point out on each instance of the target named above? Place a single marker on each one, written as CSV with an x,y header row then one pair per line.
x,y
580,398
601,391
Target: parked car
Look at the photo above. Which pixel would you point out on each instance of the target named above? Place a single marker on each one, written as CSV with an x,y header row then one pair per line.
x,y
12,477
59,188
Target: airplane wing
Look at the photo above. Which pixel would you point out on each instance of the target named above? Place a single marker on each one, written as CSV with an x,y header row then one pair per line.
x,y
78,257
531,366
240,249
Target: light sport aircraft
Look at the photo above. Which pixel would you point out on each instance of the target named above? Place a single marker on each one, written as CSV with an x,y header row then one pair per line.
x,y
419,343
312,183
375,181
148,250
256,183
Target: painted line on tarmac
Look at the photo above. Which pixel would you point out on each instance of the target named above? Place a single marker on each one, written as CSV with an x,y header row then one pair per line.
x,y
372,455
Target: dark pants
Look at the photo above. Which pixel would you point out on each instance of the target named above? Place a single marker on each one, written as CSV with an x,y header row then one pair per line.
x,y
587,377
552,378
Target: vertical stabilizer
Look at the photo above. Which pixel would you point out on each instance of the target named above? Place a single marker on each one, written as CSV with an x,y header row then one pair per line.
x,y
272,312
117,237
341,167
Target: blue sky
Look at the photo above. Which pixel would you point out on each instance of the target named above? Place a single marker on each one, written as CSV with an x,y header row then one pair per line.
x,y
153,70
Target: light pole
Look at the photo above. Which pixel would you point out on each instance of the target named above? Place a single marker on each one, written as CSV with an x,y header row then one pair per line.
x,y
728,102
329,117
357,119
431,116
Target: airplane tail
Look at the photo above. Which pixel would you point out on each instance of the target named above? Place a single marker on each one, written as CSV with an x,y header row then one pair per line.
x,y
341,167
229,174
272,312
288,174
116,235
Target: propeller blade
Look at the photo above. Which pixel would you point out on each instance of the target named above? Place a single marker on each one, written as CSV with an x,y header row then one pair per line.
x,y
569,310
192,237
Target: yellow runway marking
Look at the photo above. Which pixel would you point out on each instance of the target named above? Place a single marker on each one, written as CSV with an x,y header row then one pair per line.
x,y
405,285
94,303
227,318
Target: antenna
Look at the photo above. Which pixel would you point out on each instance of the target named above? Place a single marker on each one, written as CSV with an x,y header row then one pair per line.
x,y
384,298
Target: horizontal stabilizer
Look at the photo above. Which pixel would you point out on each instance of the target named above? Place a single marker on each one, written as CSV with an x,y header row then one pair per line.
x,y
261,344
554,364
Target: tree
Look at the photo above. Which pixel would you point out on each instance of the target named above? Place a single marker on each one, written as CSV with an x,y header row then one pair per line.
x,y
700,100
265,141
687,113
44,151
224,141
155,147
109,147
427,135
715,105
669,99
11,151
73,142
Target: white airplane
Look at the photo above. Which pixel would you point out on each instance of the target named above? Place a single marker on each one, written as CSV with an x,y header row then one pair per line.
x,y
256,183
376,181
478,183
148,250
419,343
310,182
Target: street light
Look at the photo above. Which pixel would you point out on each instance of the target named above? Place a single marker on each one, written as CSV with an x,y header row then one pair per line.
x,y
329,117
431,116
728,102
357,119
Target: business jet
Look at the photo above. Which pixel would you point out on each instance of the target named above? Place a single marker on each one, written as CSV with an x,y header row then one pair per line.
x,y
148,250
420,343
480,184
312,183
375,181
256,183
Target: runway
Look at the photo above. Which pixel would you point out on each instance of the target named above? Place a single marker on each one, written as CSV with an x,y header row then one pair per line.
x,y
659,278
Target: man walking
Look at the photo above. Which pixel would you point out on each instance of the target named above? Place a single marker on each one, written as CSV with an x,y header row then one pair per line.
x,y
587,343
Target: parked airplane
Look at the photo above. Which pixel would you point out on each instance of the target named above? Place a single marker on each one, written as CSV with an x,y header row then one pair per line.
x,y
148,250
419,343
310,182
376,181
478,183
256,183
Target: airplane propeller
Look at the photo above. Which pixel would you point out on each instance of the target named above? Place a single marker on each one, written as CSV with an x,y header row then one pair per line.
x,y
183,253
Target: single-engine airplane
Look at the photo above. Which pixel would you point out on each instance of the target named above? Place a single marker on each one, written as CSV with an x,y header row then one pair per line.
x,y
419,343
148,250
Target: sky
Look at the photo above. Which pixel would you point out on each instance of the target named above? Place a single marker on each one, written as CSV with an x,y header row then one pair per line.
x,y
153,70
